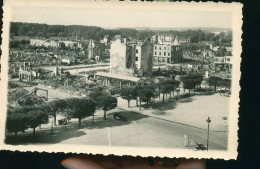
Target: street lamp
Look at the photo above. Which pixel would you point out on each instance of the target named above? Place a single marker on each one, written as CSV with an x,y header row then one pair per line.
x,y
208,121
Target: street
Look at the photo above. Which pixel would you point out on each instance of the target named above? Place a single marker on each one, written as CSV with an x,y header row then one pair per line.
x,y
147,132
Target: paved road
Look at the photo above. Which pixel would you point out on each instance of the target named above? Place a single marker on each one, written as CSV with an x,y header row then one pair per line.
x,y
149,132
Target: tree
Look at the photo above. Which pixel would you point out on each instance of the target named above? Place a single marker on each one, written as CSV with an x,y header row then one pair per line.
x,y
145,93
128,93
56,107
174,84
36,117
106,102
165,87
17,119
226,83
15,122
96,93
214,81
103,100
191,81
81,108
197,80
16,94
30,100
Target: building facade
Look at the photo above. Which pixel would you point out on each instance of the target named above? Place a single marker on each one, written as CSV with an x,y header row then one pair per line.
x,y
223,62
144,58
167,49
122,57
131,59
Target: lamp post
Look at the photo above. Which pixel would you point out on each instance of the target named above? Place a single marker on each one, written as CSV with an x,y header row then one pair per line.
x,y
208,121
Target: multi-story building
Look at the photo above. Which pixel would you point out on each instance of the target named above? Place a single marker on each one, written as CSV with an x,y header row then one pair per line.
x,y
131,58
144,58
129,61
122,57
167,50
223,62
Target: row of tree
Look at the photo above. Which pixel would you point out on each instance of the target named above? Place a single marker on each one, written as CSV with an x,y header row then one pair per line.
x,y
32,116
147,92
93,32
154,90
219,82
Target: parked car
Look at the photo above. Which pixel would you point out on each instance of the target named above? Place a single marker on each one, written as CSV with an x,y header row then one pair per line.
x,y
119,116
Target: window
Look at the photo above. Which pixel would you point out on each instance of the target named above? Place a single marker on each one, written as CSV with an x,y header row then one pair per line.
x,y
228,59
155,53
164,48
159,53
155,47
136,51
169,54
136,58
160,48
164,53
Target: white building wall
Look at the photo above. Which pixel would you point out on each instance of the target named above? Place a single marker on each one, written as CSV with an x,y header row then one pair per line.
x,y
117,56
138,57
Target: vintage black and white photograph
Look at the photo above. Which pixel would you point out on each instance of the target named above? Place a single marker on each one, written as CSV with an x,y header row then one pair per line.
x,y
124,78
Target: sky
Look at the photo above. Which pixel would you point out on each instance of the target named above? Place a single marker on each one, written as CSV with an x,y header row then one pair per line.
x,y
121,17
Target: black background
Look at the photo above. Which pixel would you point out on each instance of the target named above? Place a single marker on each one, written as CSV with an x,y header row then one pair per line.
x,y
249,114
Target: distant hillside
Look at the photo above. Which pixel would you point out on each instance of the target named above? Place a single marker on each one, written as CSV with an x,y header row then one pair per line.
x,y
208,29
81,32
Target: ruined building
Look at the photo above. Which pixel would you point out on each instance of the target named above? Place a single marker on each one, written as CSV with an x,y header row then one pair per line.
x,y
167,49
129,62
131,58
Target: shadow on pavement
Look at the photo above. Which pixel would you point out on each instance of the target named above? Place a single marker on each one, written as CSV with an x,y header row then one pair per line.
x,y
159,106
112,122
44,136
159,113
205,93
186,100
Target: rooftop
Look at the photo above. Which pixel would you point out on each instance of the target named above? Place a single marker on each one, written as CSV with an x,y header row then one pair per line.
x,y
118,76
